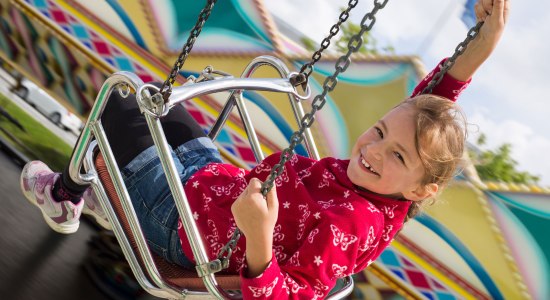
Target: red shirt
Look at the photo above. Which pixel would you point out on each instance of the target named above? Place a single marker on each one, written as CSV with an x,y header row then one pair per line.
x,y
326,229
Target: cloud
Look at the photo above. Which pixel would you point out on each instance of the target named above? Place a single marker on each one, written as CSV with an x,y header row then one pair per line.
x,y
314,18
513,82
529,149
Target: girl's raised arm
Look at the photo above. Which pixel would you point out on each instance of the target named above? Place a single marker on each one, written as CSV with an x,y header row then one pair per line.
x,y
494,14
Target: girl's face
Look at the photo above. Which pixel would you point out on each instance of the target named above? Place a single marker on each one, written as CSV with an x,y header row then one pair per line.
x,y
384,159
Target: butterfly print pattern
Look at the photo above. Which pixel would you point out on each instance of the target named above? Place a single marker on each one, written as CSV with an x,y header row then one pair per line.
x,y
206,200
339,271
241,186
326,204
213,239
312,235
305,214
294,286
263,167
282,178
320,290
293,261
222,189
305,173
293,160
280,255
240,261
327,247
213,168
369,242
372,208
277,235
285,288
341,238
232,228
327,177
240,173
264,291
386,234
348,206
389,211
301,175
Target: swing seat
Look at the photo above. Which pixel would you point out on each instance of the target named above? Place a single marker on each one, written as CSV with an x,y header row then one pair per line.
x,y
172,273
158,277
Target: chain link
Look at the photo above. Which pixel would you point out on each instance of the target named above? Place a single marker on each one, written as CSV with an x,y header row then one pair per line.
x,y
472,33
318,102
166,88
307,68
330,83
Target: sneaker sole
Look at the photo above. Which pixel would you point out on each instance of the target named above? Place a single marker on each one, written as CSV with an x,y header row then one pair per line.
x,y
102,222
64,229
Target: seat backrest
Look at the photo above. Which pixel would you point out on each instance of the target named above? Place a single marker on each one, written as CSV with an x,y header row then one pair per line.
x,y
175,274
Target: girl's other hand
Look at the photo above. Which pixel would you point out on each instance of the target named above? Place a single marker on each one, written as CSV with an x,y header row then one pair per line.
x,y
255,215
494,14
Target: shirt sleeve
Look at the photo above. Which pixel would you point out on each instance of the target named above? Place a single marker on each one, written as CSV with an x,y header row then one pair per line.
x,y
331,251
448,87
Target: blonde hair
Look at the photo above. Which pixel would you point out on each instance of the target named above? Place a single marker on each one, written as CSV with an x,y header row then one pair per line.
x,y
439,139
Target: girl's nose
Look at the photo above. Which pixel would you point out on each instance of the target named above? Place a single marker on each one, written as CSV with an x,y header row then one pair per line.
x,y
376,150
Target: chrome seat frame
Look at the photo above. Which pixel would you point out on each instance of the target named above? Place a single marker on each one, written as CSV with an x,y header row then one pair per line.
x,y
93,137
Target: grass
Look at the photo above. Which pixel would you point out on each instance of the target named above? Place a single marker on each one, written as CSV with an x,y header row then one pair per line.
x,y
34,140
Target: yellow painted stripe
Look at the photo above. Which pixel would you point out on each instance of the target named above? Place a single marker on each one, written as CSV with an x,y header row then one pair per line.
x,y
143,62
123,47
431,270
240,131
146,64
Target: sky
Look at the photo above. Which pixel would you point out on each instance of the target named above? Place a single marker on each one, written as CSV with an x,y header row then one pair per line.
x,y
508,99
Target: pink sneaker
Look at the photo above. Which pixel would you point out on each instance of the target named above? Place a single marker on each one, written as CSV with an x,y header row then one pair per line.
x,y
93,208
36,183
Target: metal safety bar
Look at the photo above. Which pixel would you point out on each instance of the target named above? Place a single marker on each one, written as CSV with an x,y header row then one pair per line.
x,y
152,110
236,99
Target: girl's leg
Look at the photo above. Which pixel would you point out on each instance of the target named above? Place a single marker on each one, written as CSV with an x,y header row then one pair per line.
x,y
132,146
129,135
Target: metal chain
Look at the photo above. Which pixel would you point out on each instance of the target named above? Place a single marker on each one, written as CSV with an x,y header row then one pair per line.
x,y
318,102
307,68
166,88
472,33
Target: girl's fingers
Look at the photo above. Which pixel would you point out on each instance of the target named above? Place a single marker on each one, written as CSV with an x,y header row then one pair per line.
x,y
272,200
487,6
502,7
481,14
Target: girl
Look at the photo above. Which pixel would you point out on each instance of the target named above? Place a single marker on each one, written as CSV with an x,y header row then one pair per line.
x,y
335,216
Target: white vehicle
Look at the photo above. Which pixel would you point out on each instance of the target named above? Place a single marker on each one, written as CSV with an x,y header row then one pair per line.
x,y
48,106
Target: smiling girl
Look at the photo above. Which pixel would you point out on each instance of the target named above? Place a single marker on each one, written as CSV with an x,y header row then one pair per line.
x,y
335,217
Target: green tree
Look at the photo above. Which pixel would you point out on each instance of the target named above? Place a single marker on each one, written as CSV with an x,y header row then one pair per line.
x,y
369,46
309,44
498,165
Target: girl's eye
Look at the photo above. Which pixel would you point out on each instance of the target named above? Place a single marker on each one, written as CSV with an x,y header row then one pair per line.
x,y
400,157
379,131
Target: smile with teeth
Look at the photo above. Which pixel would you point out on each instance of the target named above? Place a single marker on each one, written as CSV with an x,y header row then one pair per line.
x,y
366,165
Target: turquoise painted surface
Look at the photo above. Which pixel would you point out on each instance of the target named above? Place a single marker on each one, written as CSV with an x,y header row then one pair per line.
x,y
224,15
538,227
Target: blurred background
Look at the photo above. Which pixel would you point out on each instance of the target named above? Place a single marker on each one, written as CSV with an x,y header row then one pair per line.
x,y
484,240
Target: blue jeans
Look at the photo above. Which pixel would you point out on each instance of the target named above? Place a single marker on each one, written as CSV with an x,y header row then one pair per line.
x,y
152,199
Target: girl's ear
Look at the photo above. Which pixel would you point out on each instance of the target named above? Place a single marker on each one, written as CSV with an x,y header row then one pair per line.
x,y
422,192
